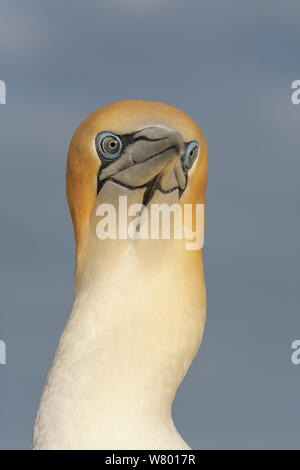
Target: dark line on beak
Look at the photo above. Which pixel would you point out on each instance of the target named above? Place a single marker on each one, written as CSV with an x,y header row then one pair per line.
x,y
147,139
151,188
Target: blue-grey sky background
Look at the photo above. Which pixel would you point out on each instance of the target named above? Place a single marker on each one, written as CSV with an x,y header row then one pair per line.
x,y
229,65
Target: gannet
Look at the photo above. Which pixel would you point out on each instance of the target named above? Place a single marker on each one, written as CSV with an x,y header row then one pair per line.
x,y
139,307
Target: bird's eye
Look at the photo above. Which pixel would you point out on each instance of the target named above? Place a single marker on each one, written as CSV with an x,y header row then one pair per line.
x,y
108,145
190,154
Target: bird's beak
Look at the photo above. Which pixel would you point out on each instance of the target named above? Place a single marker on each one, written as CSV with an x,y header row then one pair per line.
x,y
152,159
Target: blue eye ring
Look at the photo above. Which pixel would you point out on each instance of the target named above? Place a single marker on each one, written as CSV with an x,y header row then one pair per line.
x,y
190,154
108,145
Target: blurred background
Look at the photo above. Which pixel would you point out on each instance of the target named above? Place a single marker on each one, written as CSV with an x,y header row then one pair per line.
x,y
229,65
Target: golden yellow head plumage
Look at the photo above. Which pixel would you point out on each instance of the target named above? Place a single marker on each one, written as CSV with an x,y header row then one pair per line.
x,y
145,129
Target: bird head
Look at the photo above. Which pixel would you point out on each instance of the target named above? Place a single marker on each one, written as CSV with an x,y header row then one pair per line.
x,y
144,149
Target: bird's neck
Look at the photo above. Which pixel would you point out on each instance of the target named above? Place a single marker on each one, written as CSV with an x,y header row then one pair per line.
x,y
135,326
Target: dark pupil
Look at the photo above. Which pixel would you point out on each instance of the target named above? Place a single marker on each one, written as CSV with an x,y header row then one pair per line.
x,y
110,145
193,153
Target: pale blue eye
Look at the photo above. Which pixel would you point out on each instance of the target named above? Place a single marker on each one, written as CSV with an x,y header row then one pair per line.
x,y
108,145
190,154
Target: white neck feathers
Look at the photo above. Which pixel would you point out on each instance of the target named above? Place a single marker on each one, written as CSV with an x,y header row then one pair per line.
x,y
136,323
